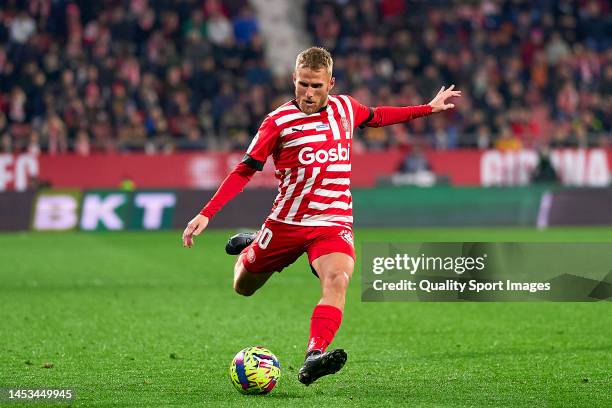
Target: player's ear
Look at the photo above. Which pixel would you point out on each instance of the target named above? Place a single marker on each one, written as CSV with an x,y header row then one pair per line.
x,y
332,82
293,76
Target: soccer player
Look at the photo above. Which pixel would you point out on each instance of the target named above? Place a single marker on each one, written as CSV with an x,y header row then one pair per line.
x,y
309,139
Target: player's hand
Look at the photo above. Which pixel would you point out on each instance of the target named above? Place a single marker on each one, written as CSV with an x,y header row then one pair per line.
x,y
193,229
438,103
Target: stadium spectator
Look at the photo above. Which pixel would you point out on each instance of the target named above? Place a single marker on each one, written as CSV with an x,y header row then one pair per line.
x,y
82,147
544,171
245,26
55,134
6,142
414,162
414,170
507,141
22,27
34,143
3,123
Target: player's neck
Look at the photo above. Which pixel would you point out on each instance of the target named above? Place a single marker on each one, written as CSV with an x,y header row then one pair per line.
x,y
323,108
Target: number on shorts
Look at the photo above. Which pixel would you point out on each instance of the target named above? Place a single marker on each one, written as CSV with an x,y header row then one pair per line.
x,y
264,238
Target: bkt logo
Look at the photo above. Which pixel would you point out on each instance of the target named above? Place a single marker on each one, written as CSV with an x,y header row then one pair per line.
x,y
308,156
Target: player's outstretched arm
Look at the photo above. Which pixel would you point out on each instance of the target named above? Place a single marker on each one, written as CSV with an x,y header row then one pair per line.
x,y
194,228
438,103
391,115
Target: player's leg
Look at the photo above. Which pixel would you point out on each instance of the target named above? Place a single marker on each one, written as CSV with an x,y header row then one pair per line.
x,y
275,247
332,257
335,271
245,282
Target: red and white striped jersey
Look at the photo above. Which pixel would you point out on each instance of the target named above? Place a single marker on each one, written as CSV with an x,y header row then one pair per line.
x,y
312,156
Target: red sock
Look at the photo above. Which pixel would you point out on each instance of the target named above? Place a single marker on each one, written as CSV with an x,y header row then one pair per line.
x,y
324,324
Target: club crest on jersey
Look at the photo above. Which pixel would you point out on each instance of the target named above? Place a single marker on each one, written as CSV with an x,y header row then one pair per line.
x,y
345,124
251,255
346,235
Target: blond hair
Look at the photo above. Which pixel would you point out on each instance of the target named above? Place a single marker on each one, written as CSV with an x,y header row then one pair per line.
x,y
315,58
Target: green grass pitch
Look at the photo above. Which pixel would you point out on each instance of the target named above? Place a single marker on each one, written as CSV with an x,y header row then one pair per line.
x,y
134,319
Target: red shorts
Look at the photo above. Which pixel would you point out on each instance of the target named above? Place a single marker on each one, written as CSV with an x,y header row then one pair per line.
x,y
278,245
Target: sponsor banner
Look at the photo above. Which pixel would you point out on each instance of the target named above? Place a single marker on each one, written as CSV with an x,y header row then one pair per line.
x,y
247,211
446,206
70,209
117,210
18,172
120,210
105,210
475,271
16,210
56,210
576,167
576,206
152,210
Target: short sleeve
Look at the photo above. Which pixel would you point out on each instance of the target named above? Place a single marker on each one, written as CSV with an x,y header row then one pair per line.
x,y
363,114
263,144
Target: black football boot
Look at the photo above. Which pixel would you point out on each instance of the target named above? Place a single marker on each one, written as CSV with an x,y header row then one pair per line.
x,y
238,242
318,364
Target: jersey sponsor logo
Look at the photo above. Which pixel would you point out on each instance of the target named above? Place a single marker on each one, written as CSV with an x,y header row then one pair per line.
x,y
345,124
308,155
322,126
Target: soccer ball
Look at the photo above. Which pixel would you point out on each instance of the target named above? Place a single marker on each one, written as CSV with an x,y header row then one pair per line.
x,y
254,370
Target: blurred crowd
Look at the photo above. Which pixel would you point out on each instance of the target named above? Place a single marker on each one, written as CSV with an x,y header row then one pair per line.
x,y
532,72
125,75
166,75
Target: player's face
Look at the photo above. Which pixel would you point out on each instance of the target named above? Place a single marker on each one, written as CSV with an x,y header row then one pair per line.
x,y
312,88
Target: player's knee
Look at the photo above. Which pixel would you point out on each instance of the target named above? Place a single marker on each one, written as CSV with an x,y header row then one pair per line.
x,y
337,280
242,290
